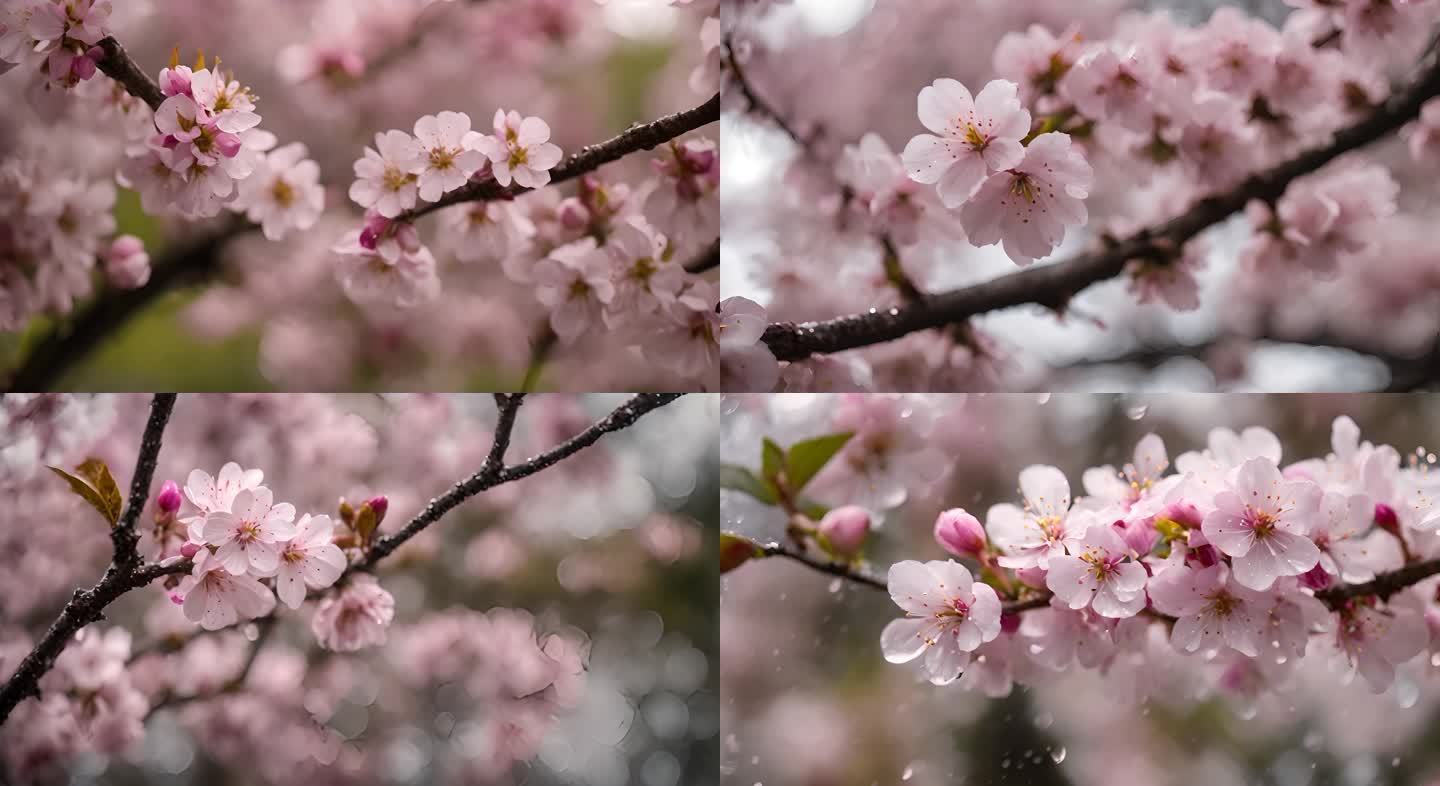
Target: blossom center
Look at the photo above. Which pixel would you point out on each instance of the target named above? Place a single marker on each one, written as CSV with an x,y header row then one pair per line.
x,y
282,192
642,269
956,609
1261,524
1223,604
579,289
395,179
976,140
442,158
249,532
1100,566
1023,187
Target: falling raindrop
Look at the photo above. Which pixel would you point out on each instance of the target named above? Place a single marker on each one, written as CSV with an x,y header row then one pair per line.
x,y
836,585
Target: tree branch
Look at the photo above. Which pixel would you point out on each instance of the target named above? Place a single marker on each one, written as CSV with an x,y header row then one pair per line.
x,y
646,136
69,342
1054,285
123,575
117,65
1382,586
493,474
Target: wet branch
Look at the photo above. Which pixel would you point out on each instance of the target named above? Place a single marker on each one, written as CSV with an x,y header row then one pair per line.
x,y
124,573
644,136
1054,285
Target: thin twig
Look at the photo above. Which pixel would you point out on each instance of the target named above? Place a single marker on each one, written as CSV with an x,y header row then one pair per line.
x,y
645,136
1054,285
123,574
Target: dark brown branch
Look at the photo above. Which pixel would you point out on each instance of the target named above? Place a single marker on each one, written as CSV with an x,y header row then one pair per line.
x,y
1382,586
645,136
753,100
123,575
491,475
709,259
69,342
118,66
1053,285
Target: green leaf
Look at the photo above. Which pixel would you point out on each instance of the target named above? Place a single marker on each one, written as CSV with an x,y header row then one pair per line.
x,y
736,550
96,486
807,457
737,478
772,460
812,509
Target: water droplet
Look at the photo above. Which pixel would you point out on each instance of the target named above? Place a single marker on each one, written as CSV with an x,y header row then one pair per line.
x,y
836,585
1137,412
1057,755
908,773
1042,399
1407,693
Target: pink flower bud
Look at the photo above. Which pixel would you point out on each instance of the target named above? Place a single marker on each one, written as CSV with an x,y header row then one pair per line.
x,y
228,143
1386,519
845,529
1205,555
175,81
379,504
1139,536
1316,578
189,549
127,266
169,497
960,533
83,68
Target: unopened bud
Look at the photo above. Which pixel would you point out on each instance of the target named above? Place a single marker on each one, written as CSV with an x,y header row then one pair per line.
x,y
1386,519
379,503
960,533
189,549
168,500
347,513
845,529
1183,513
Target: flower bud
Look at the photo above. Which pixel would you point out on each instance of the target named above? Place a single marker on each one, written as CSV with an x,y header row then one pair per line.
x,y
960,533
1386,519
189,549
845,528
572,214
379,503
168,500
127,266
347,513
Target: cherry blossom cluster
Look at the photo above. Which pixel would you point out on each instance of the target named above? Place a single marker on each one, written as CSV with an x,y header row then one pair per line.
x,y
595,261
238,536
212,655
59,36
1233,556
1077,118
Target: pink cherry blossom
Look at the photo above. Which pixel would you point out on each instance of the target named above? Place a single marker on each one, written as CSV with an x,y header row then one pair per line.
x,y
248,535
1028,207
574,283
1031,536
448,154
354,618
1097,574
948,616
978,135
214,494
217,598
1212,609
370,278
1114,86
385,181
1138,489
309,559
1375,638
520,150
644,279
283,193
1262,522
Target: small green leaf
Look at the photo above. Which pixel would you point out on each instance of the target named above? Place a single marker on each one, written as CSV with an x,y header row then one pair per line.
x,y
95,486
772,460
736,550
807,457
737,478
